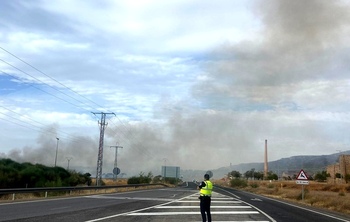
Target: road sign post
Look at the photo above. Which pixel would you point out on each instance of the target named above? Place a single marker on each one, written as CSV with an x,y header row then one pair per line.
x,y
303,180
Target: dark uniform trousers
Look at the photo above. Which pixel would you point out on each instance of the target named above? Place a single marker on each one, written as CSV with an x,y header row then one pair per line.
x,y
205,207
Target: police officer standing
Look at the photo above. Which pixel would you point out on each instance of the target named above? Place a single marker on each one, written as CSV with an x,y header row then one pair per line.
x,y
205,189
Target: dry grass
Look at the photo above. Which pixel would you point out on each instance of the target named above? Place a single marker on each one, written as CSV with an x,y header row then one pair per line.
x,y
112,182
328,196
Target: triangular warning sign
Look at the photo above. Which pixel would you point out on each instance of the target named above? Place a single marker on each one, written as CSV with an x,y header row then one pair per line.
x,y
302,175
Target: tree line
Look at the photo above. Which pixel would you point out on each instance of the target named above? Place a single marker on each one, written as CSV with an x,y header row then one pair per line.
x,y
253,174
149,178
258,175
28,175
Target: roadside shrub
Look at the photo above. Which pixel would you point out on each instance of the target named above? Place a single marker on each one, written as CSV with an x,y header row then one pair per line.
x,y
347,188
172,180
20,175
254,185
238,183
157,179
141,179
134,180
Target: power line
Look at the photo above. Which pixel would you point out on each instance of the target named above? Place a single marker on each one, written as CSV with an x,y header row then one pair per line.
x,y
127,132
45,84
34,127
49,76
130,135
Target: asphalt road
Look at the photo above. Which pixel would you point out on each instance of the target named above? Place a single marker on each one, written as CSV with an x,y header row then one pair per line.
x,y
167,204
283,210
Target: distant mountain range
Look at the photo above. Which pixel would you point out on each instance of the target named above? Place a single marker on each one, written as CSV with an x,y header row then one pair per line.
x,y
292,165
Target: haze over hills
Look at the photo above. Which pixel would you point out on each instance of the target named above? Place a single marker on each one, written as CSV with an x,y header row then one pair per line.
x,y
291,165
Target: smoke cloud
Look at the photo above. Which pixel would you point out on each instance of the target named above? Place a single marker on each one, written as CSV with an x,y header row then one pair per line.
x,y
266,88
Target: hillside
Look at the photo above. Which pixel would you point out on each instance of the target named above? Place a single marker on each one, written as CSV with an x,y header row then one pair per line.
x,y
292,165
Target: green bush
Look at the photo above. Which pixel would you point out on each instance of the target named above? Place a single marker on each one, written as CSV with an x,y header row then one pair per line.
x,y
321,176
141,179
172,180
157,179
20,175
9,176
238,183
254,185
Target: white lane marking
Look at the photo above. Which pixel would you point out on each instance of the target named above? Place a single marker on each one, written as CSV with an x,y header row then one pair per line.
x,y
327,215
35,201
147,208
262,212
237,197
218,197
213,201
128,198
197,207
136,212
190,213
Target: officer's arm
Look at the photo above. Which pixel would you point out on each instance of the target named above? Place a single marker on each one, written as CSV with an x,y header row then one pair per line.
x,y
202,185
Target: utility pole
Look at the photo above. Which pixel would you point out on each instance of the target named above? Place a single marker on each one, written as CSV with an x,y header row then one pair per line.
x,y
115,169
56,150
68,159
103,125
342,171
165,159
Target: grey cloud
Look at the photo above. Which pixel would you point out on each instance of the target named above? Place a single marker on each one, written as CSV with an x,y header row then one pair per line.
x,y
82,149
299,42
212,139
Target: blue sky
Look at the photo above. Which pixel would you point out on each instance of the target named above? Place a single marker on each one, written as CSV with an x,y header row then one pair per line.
x,y
190,81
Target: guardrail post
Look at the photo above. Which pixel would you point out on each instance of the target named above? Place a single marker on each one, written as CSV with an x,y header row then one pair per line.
x,y
13,196
45,194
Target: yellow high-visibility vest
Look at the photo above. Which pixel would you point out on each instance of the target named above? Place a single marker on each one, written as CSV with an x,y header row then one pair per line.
x,y
206,191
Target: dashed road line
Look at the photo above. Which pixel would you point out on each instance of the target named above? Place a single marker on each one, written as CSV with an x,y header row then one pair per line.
x,y
190,213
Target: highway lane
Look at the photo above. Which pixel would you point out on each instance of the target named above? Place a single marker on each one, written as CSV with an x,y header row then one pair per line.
x,y
283,210
85,208
187,209
167,204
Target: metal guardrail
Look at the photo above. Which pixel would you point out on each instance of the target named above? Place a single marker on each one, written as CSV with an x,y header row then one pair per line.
x,y
15,191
